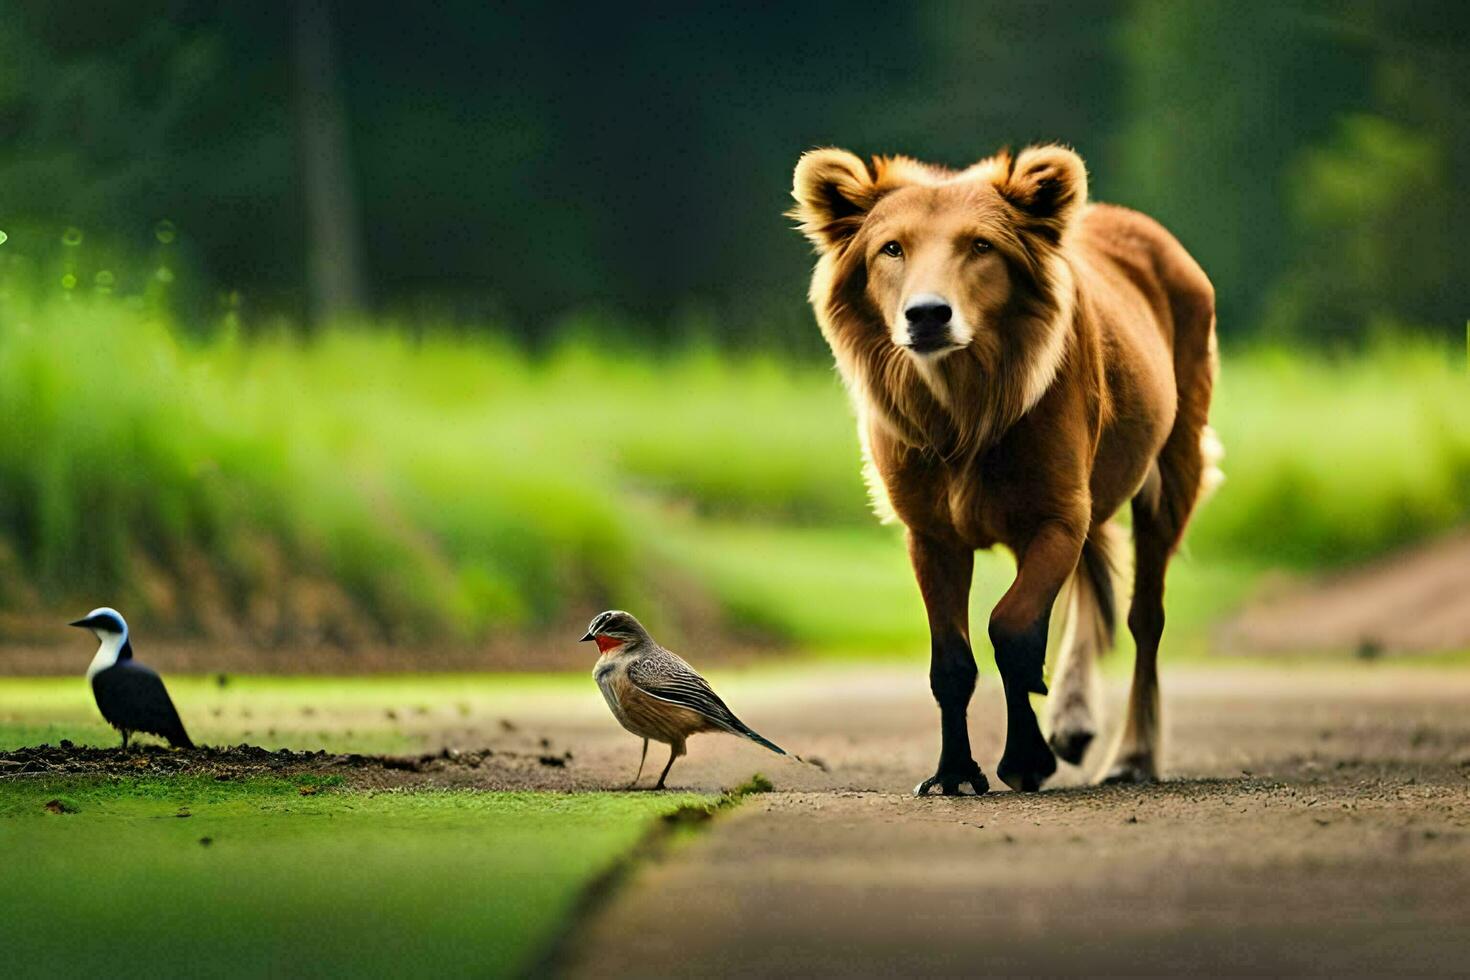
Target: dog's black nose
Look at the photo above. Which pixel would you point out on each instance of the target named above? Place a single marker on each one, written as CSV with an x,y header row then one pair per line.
x,y
929,329
928,313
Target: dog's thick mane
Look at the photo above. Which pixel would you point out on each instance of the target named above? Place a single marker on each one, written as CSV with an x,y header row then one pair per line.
x,y
961,404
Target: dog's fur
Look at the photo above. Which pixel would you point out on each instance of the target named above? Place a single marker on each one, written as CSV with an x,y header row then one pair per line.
x,y
1077,375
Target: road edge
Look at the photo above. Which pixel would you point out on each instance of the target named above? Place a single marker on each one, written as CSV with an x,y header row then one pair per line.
x,y
662,835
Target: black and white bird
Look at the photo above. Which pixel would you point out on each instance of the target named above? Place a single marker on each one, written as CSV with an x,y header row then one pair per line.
x,y
130,696
654,693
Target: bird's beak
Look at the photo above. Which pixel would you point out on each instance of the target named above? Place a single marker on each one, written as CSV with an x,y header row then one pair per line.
x,y
84,623
584,639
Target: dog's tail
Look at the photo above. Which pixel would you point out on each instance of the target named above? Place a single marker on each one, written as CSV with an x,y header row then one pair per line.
x,y
1090,616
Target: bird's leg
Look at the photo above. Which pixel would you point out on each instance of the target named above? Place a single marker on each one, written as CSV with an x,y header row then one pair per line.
x,y
675,750
641,760
944,571
663,775
125,734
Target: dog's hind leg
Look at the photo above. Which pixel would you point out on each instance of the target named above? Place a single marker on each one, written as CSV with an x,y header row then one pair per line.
x,y
1183,473
1136,757
1187,471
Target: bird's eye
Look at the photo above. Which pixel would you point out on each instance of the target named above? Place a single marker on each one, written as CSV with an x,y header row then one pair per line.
x,y
894,249
982,246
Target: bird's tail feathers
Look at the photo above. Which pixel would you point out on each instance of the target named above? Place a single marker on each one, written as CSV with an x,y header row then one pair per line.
x,y
761,740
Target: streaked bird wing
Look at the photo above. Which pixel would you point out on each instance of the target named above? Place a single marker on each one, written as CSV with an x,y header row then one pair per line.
x,y
139,702
668,682
664,675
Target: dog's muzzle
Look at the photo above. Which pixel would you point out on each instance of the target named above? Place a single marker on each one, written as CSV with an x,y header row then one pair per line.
x,y
929,324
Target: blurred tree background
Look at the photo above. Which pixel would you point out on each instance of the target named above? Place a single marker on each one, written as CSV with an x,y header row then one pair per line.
x,y
327,323
530,164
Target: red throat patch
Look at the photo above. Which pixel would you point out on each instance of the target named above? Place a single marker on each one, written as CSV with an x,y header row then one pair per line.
x,y
606,643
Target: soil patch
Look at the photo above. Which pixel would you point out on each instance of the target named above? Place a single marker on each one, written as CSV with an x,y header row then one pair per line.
x,y
1417,601
479,768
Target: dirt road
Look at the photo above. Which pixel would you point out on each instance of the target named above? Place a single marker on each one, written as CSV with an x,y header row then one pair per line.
x,y
1413,600
1316,820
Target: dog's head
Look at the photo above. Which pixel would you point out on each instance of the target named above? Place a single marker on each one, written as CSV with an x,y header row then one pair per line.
x,y
940,260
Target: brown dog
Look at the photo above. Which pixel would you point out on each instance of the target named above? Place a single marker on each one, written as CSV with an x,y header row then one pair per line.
x,y
1021,363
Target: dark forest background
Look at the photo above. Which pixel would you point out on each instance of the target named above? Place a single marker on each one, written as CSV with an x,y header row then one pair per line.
x,y
529,164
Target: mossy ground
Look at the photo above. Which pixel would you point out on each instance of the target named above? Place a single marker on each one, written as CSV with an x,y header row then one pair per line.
x,y
189,875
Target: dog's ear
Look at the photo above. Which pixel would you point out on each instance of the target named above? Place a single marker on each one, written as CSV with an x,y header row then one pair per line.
x,y
1047,184
834,191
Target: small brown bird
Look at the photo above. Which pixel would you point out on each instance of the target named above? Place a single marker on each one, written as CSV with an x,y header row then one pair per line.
x,y
654,694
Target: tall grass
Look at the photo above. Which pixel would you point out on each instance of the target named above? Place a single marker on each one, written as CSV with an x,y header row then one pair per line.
x,y
376,484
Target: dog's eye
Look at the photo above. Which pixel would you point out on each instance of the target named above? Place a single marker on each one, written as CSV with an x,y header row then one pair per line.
x,y
894,249
982,246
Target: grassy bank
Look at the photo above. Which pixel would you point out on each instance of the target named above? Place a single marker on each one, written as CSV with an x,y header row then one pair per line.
x,y
370,484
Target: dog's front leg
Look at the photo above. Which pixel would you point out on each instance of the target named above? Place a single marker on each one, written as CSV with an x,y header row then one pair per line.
x,y
944,570
1018,630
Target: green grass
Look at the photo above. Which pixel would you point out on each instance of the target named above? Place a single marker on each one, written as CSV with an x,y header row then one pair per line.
x,y
1335,459
411,486
338,883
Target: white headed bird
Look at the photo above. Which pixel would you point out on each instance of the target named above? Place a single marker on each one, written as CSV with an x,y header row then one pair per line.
x,y
130,696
